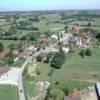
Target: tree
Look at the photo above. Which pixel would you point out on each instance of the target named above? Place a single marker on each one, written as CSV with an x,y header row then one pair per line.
x,y
12,30
10,59
88,52
66,28
33,36
89,24
55,94
39,58
35,19
98,37
58,60
48,58
1,47
12,46
82,53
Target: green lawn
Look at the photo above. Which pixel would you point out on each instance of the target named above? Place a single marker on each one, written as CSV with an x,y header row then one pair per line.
x,y
8,93
30,88
75,71
97,21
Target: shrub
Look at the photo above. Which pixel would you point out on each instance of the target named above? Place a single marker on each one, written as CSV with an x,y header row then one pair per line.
x,y
88,52
48,58
82,53
56,83
55,94
58,59
39,58
1,46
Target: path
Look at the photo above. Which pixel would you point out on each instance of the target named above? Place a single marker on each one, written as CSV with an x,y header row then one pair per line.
x,y
84,80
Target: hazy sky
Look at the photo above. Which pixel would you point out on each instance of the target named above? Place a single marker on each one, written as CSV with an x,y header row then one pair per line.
x,y
11,5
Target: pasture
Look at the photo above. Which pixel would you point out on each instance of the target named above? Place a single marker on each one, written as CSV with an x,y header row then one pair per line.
x,y
8,92
76,72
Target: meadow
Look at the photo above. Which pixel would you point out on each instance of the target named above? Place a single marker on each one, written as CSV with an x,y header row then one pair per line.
x,y
8,92
76,72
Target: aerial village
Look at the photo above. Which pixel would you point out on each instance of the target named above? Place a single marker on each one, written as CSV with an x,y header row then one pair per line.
x,y
62,64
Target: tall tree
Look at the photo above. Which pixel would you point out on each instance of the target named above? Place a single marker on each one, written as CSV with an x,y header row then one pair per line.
x,y
55,94
82,53
1,47
66,29
58,59
88,52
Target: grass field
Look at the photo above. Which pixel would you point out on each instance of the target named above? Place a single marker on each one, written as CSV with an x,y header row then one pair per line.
x,y
76,72
30,89
97,21
6,43
49,22
8,93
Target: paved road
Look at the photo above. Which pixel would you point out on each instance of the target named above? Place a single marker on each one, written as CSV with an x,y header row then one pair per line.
x,y
21,89
20,82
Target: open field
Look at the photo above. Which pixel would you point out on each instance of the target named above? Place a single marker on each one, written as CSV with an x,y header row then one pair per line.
x,y
6,43
30,89
47,22
76,72
8,93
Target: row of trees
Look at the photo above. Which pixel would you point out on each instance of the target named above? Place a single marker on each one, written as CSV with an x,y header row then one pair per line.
x,y
20,27
85,52
34,19
30,36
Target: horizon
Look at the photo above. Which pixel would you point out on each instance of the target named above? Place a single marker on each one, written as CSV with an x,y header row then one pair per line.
x,y
48,5
49,10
